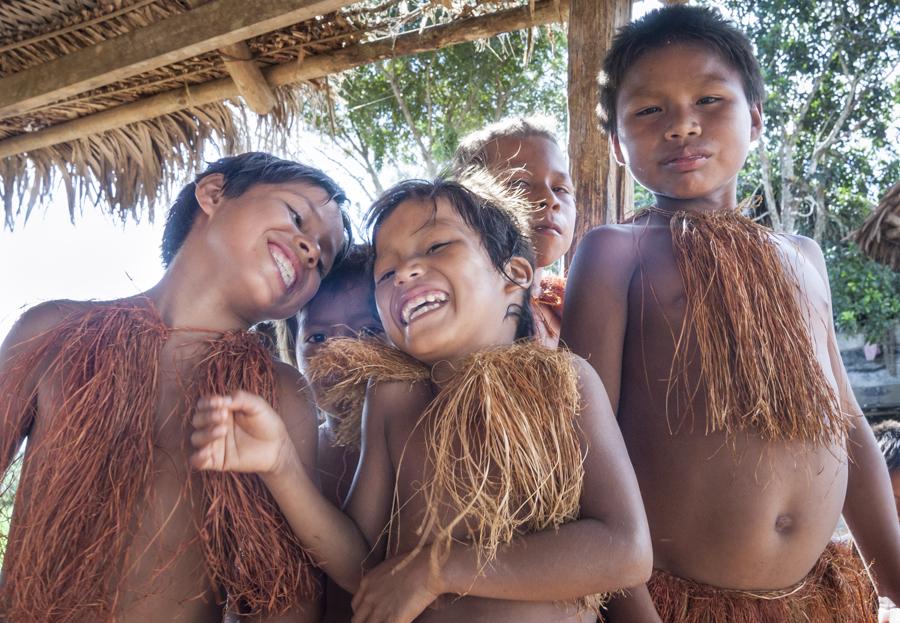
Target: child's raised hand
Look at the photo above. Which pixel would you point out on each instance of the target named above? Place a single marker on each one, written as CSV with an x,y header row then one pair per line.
x,y
238,432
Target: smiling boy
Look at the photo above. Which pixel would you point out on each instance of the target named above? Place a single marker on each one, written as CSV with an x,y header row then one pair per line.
x,y
714,339
109,522
498,477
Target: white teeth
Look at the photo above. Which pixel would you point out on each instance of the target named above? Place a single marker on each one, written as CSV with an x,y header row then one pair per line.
x,y
422,304
285,269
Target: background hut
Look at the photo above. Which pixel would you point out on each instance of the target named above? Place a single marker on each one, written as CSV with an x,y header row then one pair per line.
x,y
116,98
879,236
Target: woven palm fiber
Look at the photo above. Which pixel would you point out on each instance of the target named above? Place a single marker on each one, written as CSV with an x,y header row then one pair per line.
x,y
68,543
502,440
837,590
757,362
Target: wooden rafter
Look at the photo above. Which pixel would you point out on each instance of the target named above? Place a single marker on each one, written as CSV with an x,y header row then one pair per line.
x,y
462,31
208,27
248,78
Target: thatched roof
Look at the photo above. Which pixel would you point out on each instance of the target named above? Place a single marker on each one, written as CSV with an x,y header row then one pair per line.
x,y
879,236
116,98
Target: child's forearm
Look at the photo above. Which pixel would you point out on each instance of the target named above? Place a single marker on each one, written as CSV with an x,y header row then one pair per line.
x,y
870,511
581,558
330,536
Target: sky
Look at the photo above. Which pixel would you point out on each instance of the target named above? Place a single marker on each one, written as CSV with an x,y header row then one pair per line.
x,y
100,258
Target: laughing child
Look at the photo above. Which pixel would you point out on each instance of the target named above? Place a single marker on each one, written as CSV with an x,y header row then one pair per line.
x,y
494,474
109,521
524,154
715,341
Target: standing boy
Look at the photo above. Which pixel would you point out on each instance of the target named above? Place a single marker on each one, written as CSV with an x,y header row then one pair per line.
x,y
715,342
109,522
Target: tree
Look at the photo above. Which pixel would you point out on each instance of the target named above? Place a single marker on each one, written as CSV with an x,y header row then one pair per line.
x,y
410,112
828,149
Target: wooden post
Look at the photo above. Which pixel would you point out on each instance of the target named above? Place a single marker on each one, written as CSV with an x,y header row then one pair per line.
x,y
604,191
248,78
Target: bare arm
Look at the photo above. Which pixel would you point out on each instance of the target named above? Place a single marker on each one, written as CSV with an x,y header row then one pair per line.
x,y
869,507
19,409
594,324
606,549
241,432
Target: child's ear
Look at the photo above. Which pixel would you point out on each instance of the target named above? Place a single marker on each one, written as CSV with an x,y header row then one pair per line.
x,y
616,148
756,121
519,270
208,192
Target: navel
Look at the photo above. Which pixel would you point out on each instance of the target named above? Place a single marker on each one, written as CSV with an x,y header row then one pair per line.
x,y
784,523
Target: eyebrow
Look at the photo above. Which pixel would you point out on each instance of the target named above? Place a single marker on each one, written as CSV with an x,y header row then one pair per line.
x,y
706,78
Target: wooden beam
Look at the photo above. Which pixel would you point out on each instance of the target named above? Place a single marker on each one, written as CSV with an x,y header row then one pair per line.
x,y
603,190
177,38
248,78
471,29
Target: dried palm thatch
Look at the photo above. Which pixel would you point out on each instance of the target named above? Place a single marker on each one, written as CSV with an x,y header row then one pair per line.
x,y
127,167
879,236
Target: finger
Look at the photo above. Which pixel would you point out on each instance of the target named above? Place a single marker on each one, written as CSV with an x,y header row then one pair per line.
x,y
209,417
202,437
250,404
362,610
202,459
214,402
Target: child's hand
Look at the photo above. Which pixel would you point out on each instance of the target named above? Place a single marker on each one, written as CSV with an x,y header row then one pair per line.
x,y
397,591
240,433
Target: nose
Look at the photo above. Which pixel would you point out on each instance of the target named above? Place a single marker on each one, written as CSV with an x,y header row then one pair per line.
x,y
682,123
546,198
409,271
309,251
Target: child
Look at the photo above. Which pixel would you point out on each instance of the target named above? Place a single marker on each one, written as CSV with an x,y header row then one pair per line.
x,y
524,153
344,306
498,477
109,522
887,434
715,341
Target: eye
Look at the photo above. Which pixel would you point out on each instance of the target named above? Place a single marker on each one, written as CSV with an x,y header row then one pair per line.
x,y
643,112
563,189
388,275
316,338
523,184
436,247
709,99
295,217
371,331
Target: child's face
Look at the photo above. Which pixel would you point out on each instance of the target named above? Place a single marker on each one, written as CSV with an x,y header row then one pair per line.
x,y
895,485
539,169
438,294
343,312
272,245
684,125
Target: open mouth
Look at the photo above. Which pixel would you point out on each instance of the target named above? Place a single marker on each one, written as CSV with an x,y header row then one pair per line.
x,y
421,305
284,265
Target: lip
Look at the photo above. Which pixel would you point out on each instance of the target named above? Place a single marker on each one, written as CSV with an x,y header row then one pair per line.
x,y
687,160
547,228
401,301
292,258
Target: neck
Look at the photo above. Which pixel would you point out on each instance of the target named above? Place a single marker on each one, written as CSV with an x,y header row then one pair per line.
x,y
725,200
536,282
189,299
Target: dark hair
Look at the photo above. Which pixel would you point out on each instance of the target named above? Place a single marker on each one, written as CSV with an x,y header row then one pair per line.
x,y
672,25
241,173
887,434
472,147
498,217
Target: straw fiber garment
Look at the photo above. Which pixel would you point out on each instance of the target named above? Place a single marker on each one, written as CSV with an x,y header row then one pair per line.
x,y
94,464
837,590
756,356
502,441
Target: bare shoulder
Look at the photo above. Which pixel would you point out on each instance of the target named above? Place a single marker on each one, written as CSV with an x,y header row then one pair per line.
x,y
608,242
293,390
40,319
589,383
395,399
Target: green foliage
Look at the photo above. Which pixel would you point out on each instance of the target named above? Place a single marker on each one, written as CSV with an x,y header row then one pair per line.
x,y
832,90
865,294
412,111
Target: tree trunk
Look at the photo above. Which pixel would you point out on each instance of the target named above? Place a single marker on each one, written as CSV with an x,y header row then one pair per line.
x,y
603,189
